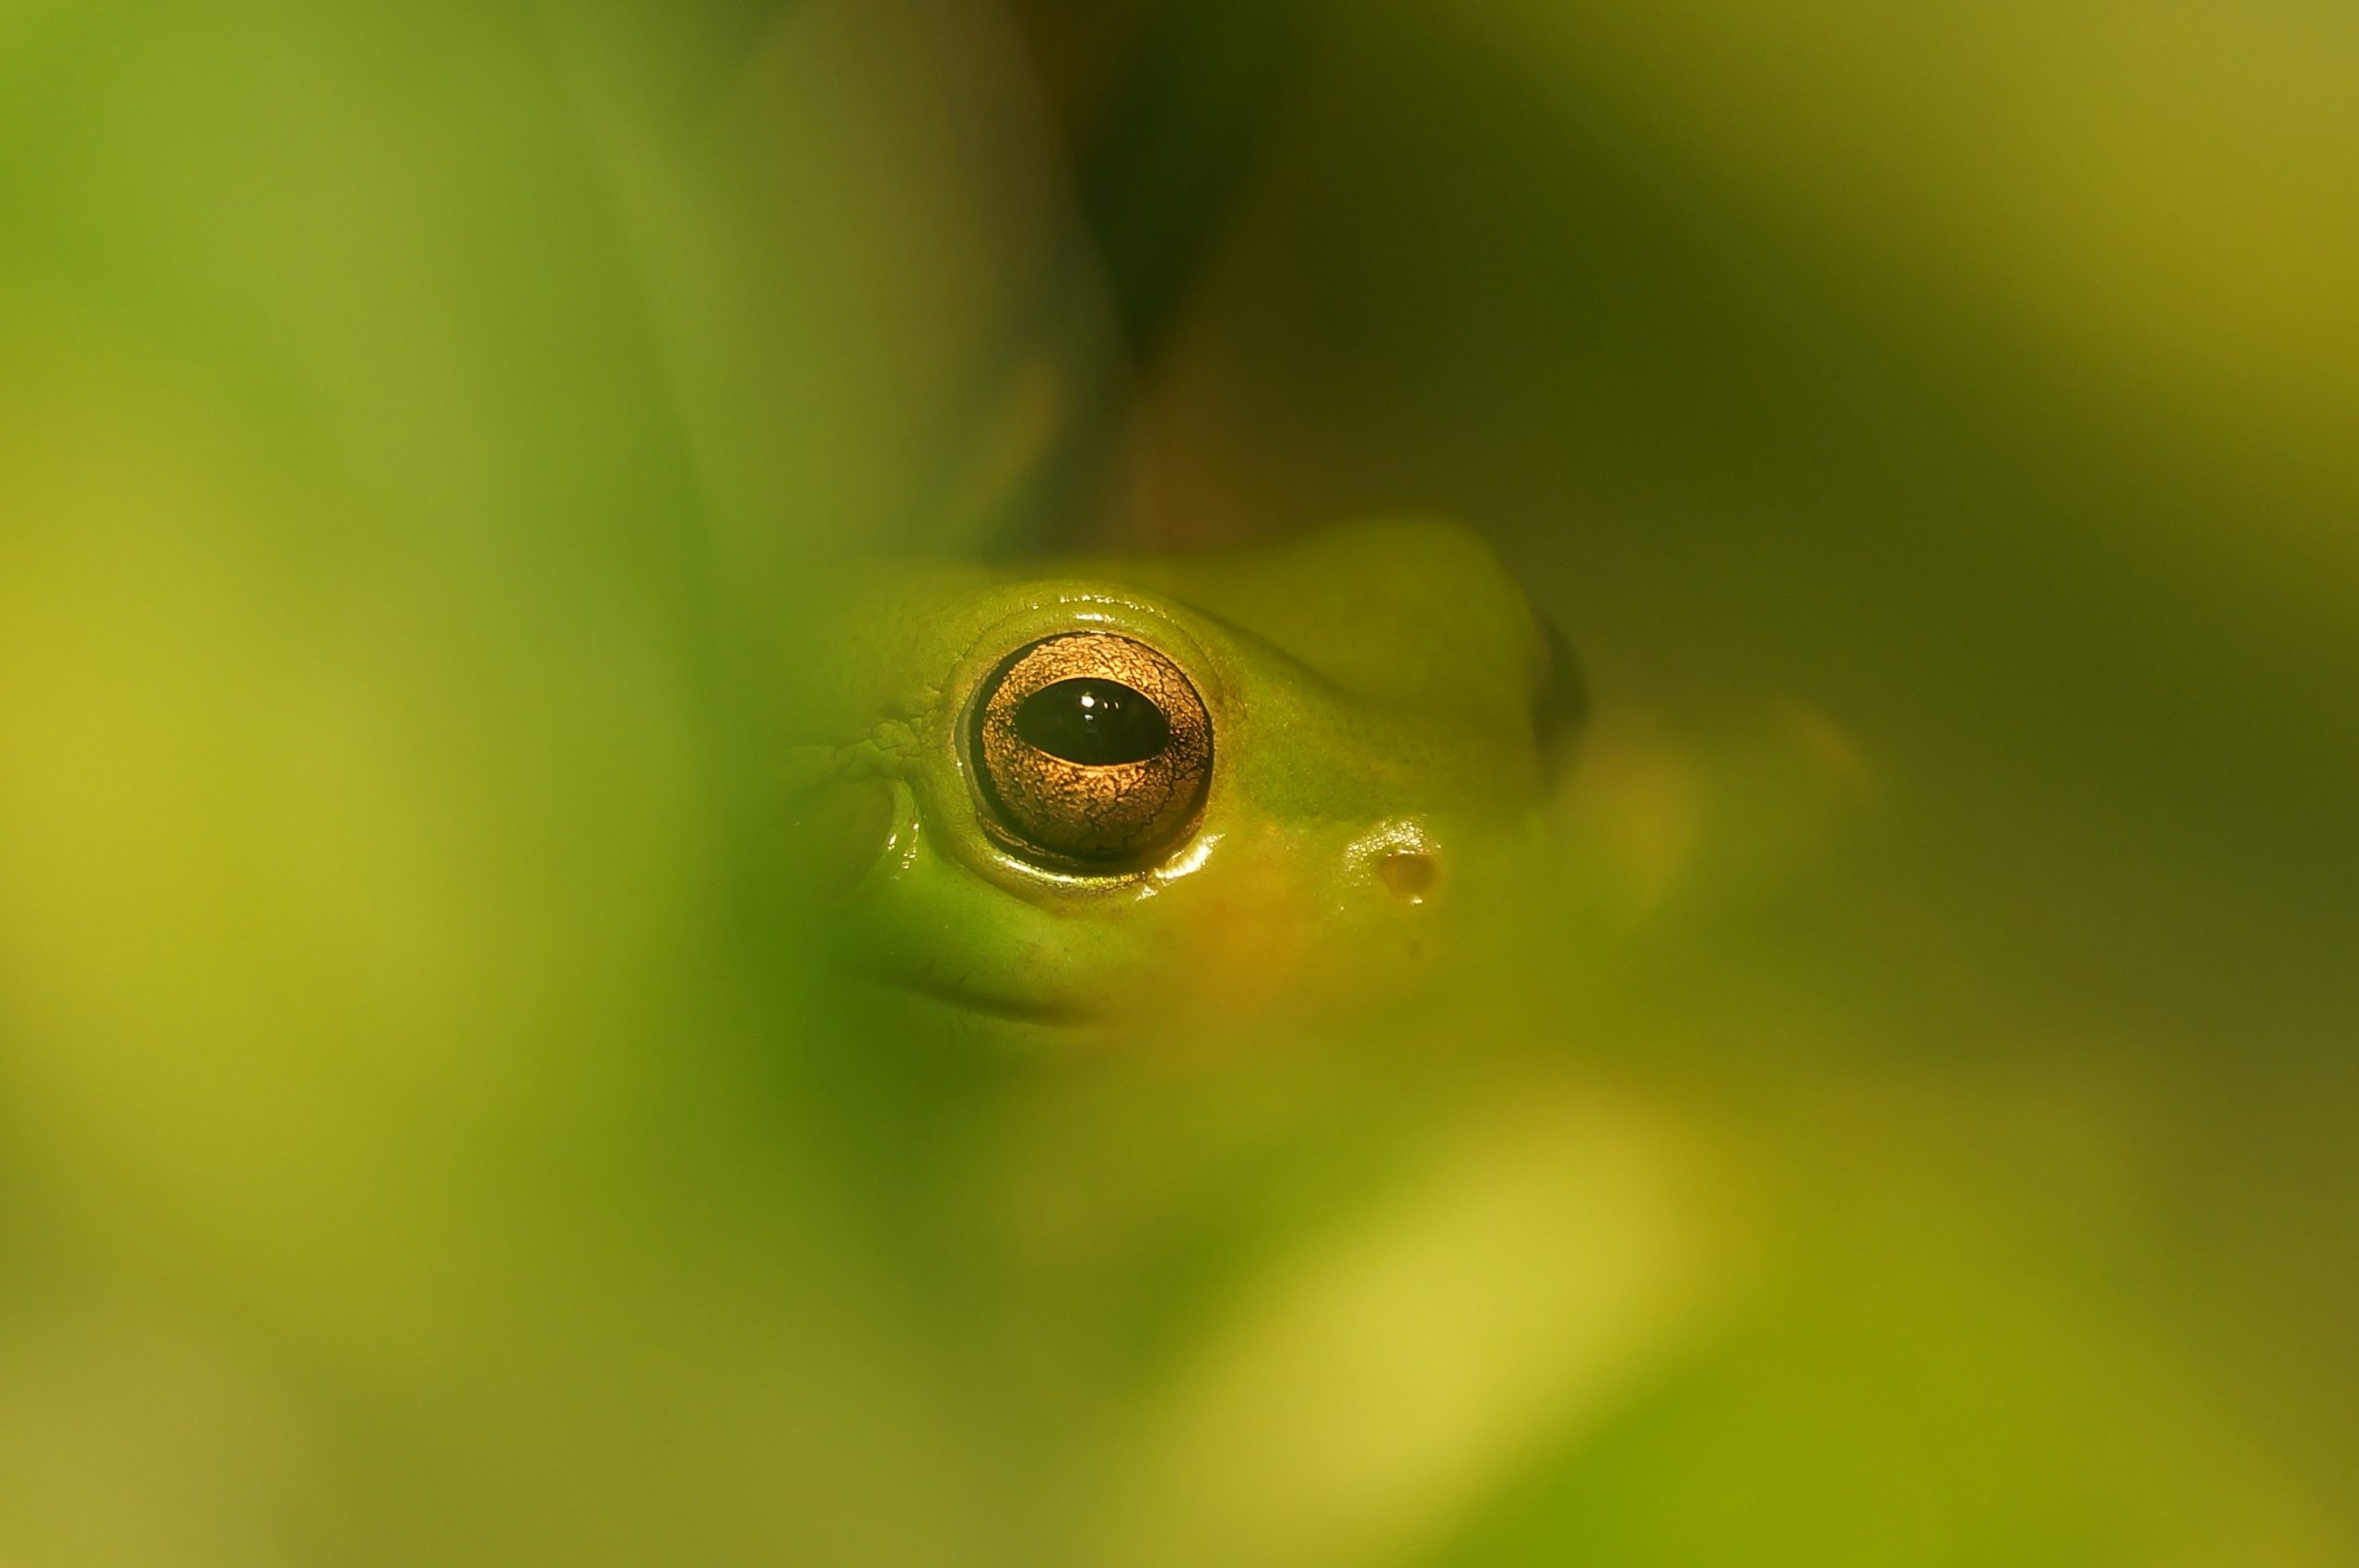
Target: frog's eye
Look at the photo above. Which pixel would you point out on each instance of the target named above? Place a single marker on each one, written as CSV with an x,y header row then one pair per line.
x,y
1089,750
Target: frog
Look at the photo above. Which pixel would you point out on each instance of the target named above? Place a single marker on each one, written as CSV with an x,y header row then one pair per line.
x,y
1107,794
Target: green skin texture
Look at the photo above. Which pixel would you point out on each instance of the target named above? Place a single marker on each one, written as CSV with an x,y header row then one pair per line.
x,y
1371,687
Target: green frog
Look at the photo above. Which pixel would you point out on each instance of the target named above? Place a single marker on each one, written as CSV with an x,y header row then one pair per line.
x,y
1302,1304
1188,789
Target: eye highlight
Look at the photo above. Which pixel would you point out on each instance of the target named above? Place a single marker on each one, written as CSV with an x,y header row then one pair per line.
x,y
1089,750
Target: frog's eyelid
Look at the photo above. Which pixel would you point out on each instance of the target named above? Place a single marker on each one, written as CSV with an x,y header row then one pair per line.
x,y
1560,700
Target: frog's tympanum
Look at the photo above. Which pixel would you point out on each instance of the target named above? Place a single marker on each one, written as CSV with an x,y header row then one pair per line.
x,y
1210,785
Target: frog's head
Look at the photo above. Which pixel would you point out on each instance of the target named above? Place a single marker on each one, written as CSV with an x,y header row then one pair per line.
x,y
1122,792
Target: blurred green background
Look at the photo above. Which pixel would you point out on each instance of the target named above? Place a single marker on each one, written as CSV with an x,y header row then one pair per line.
x,y
422,1136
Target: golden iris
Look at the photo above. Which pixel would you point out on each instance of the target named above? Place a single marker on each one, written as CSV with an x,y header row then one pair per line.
x,y
1090,750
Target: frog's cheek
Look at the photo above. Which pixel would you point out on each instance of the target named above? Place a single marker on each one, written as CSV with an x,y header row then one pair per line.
x,y
1245,925
1350,921
925,922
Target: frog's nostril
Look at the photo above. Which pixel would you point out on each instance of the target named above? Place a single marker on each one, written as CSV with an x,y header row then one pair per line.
x,y
1399,857
1408,872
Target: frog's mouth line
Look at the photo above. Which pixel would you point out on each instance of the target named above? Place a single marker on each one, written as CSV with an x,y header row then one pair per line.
x,y
1006,1009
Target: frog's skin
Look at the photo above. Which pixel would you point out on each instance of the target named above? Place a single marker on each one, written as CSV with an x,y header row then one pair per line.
x,y
1381,695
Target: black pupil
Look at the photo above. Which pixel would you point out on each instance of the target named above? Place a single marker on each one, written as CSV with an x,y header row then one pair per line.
x,y
1094,722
